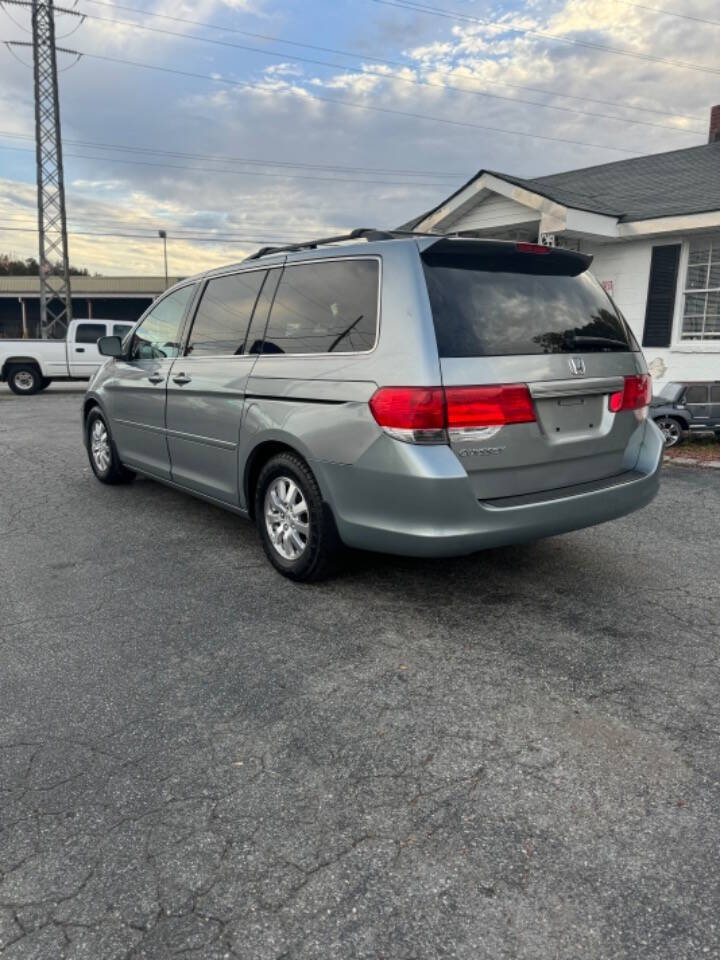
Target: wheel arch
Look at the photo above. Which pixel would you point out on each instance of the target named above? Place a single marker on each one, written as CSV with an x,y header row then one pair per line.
x,y
88,404
19,361
257,459
682,418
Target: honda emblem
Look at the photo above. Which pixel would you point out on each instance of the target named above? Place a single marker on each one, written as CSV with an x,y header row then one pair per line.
x,y
577,366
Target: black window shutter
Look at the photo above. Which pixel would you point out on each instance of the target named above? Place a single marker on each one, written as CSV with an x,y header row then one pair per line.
x,y
661,296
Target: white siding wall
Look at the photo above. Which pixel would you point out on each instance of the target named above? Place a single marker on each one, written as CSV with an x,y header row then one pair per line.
x,y
627,265
494,212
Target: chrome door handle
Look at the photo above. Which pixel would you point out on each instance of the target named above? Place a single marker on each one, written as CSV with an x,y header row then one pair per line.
x,y
156,378
181,379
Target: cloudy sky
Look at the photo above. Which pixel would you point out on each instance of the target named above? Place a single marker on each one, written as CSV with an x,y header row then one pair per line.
x,y
238,122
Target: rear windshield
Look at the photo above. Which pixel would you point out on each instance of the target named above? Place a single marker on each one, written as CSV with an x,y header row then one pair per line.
x,y
506,305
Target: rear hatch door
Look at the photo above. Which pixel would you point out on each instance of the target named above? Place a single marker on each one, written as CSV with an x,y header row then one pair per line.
x,y
520,314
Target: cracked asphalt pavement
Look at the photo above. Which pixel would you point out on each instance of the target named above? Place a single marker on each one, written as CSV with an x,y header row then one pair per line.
x,y
510,756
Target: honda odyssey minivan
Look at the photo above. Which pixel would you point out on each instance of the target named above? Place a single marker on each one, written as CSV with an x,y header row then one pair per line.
x,y
413,394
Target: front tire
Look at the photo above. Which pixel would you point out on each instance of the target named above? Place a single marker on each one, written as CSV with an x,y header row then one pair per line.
x,y
672,429
296,526
24,380
45,383
101,450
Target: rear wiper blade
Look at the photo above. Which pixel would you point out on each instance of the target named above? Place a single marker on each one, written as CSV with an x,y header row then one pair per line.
x,y
609,341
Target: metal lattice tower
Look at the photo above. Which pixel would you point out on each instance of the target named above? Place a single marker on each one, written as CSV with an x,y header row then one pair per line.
x,y
55,295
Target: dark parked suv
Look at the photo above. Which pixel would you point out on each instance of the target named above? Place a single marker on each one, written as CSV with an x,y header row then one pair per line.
x,y
682,408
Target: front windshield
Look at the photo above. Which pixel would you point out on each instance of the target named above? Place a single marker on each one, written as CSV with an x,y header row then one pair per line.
x,y
670,391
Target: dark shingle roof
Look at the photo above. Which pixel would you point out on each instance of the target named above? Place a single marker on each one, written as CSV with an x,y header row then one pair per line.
x,y
660,185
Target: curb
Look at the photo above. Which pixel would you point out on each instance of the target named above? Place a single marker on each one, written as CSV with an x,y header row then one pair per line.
x,y
692,462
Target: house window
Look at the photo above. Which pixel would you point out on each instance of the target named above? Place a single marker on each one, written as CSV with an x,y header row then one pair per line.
x,y
701,307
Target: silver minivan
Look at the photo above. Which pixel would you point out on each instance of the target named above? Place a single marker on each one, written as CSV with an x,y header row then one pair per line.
x,y
412,394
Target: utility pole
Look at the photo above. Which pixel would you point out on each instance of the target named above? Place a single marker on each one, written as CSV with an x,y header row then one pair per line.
x,y
55,293
163,236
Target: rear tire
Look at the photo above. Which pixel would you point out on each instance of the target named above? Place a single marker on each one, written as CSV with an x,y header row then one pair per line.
x,y
24,379
45,383
672,429
296,526
101,450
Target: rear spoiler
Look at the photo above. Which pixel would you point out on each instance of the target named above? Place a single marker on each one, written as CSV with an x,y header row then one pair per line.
x,y
503,255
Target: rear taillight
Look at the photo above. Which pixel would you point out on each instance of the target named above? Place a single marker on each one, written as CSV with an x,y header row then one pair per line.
x,y
635,395
532,248
437,414
413,414
488,406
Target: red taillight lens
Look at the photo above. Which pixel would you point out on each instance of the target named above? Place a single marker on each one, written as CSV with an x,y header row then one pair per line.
x,y
616,401
532,248
424,414
488,406
409,408
636,394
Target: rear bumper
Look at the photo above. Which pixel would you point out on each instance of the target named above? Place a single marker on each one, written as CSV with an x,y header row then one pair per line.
x,y
418,501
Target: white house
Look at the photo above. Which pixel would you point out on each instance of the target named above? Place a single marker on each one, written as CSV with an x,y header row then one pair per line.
x,y
652,225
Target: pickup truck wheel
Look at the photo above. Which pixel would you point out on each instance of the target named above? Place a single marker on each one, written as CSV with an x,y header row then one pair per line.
x,y
45,383
24,380
101,450
672,429
296,527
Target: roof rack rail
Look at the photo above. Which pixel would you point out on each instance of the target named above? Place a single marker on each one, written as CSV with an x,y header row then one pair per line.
x,y
361,233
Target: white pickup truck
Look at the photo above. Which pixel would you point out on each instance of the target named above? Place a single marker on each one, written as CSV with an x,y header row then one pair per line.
x,y
31,365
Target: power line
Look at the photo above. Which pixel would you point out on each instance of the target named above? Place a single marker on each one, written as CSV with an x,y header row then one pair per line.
x,y
238,173
217,78
12,18
392,63
641,6
222,159
143,236
180,233
92,219
416,7
364,72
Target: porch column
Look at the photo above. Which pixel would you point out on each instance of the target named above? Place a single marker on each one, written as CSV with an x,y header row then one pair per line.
x,y
23,309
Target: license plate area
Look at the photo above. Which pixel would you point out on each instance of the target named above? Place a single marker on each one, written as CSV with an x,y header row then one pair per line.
x,y
578,417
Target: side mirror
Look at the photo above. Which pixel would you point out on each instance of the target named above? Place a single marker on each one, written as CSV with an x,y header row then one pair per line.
x,y
110,346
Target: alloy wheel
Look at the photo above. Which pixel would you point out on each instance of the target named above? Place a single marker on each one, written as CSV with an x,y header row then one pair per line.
x,y
287,518
670,430
100,446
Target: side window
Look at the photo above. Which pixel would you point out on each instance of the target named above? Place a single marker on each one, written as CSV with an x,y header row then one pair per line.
x,y
158,336
121,330
325,307
222,319
89,332
255,342
715,394
697,393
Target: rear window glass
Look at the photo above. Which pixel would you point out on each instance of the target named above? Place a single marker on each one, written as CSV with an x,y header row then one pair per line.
x,y
329,306
493,306
697,394
89,332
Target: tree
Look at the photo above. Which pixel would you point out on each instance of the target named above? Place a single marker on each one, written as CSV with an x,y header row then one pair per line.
x,y
31,268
